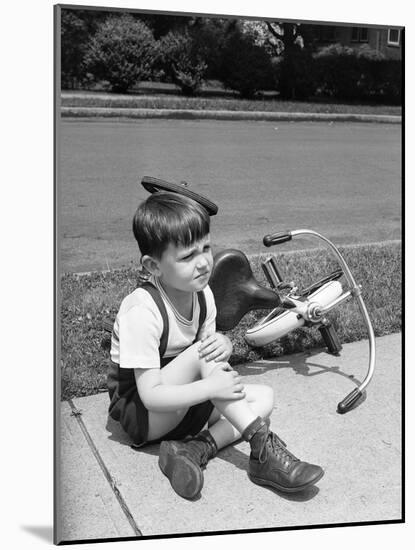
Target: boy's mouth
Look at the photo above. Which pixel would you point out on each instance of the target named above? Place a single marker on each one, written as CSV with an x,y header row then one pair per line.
x,y
201,275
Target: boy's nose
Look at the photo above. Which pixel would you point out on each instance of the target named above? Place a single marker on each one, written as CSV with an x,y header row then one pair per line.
x,y
203,262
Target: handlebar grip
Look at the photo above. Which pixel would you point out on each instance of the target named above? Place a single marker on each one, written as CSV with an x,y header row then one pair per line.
x,y
349,401
277,238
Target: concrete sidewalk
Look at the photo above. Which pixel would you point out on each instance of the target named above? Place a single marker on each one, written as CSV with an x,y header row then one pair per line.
x,y
109,490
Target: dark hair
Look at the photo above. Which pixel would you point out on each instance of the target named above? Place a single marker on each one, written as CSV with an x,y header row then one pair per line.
x,y
166,218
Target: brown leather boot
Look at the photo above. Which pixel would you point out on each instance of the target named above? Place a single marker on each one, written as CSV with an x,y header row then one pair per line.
x,y
182,462
272,464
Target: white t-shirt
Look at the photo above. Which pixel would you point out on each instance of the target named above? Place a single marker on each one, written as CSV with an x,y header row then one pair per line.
x,y
139,326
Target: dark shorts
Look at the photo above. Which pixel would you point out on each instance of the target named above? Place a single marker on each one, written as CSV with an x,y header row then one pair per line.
x,y
127,408
192,423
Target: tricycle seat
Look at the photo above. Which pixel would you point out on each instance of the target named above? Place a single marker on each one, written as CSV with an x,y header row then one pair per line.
x,y
236,290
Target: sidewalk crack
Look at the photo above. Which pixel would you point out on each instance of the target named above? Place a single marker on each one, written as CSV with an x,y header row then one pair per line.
x,y
112,482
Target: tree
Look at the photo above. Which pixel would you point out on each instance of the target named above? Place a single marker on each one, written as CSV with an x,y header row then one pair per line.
x,y
290,46
76,28
182,60
121,52
209,35
295,66
162,24
279,37
246,67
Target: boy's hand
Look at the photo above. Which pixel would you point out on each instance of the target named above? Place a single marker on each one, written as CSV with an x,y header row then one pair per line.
x,y
215,347
225,383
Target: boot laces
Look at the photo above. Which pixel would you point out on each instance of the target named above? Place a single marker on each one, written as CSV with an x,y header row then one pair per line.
x,y
204,457
278,447
201,450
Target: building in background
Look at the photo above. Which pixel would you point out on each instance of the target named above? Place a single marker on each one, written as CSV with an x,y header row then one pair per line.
x,y
387,40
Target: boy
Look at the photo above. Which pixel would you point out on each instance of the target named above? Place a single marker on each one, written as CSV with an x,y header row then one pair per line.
x,y
177,388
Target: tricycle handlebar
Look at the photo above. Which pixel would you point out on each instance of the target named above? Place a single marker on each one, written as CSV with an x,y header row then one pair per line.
x,y
277,238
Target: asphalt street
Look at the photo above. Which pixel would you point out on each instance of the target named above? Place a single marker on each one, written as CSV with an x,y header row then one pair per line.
x,y
341,179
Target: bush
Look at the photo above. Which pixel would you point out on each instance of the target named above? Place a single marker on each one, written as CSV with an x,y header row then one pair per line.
x,y
121,52
338,72
295,74
181,61
382,80
246,67
346,73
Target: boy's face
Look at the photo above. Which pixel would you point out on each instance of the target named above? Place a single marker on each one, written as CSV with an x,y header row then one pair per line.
x,y
186,268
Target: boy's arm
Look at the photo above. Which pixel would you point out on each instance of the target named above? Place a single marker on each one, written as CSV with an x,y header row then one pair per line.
x,y
213,345
159,397
209,325
156,395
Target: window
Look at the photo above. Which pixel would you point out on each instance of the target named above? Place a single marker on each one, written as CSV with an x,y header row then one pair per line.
x,y
360,34
394,36
364,32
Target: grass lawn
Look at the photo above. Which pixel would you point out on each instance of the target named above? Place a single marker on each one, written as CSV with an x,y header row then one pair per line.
x,y
167,96
86,300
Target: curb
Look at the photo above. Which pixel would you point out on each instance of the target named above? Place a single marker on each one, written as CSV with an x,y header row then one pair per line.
x,y
249,256
192,114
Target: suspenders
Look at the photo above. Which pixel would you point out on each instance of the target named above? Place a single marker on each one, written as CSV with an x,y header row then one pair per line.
x,y
155,294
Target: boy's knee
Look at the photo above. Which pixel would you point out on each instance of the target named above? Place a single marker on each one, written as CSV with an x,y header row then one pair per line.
x,y
202,366
268,399
206,367
193,352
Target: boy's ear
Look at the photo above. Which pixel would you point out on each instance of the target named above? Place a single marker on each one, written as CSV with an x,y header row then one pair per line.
x,y
150,264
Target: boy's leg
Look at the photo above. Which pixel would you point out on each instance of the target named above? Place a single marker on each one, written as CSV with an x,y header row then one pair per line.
x,y
270,462
184,369
182,461
261,401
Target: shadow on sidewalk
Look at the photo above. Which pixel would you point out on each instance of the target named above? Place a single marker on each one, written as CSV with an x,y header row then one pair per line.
x,y
298,363
301,365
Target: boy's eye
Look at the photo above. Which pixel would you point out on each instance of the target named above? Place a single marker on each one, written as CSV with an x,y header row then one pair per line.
x,y
188,256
